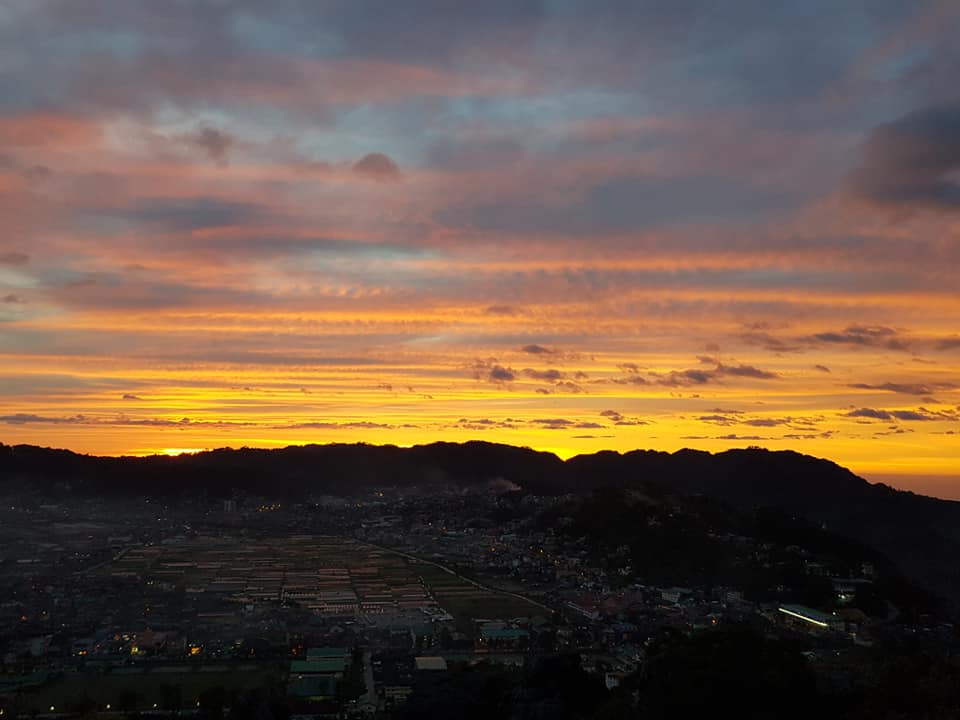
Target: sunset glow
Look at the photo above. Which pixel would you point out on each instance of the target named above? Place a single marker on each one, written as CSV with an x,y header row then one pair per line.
x,y
547,224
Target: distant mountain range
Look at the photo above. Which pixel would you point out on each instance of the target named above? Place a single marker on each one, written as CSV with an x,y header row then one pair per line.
x,y
920,534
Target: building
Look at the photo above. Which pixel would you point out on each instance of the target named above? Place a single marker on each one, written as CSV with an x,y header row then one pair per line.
x,y
809,618
324,662
430,664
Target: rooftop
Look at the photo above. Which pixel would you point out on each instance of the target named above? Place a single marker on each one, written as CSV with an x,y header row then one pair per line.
x,y
431,663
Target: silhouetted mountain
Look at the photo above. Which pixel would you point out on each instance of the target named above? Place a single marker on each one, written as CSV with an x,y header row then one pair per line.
x,y
921,534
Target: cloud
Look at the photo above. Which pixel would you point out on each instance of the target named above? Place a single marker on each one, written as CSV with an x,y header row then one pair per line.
x,y
769,342
194,213
325,425
767,422
562,423
677,378
377,166
500,310
687,377
717,419
14,258
737,419
550,375
131,396
910,162
821,368
546,193
619,419
867,336
910,415
618,205
536,350
905,388
491,371
920,414
215,143
746,371
120,420
629,379
870,413
486,424
30,418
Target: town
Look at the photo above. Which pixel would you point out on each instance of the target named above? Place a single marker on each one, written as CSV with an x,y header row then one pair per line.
x,y
345,605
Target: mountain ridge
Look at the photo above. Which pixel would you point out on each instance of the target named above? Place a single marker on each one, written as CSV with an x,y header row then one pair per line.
x,y
920,534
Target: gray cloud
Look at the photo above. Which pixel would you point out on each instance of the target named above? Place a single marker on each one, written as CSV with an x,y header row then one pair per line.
x,y
117,421
14,258
619,205
920,414
30,418
492,371
910,162
746,371
619,419
197,213
630,379
868,336
215,143
563,423
769,342
904,388
322,425
500,310
378,167
550,375
536,350
677,378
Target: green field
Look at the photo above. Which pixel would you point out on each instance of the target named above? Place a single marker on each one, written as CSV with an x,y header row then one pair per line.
x,y
462,599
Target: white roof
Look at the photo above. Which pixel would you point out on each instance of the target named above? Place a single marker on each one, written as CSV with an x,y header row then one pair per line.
x,y
431,663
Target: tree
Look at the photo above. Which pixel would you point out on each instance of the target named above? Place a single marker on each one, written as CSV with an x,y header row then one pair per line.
x,y
212,701
171,697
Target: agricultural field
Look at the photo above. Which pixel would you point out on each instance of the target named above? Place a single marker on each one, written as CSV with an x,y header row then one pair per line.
x,y
464,599
160,687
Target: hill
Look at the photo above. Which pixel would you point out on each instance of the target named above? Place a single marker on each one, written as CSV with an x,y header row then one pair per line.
x,y
920,534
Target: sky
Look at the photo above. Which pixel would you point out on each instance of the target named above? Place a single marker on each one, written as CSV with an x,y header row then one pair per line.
x,y
568,224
